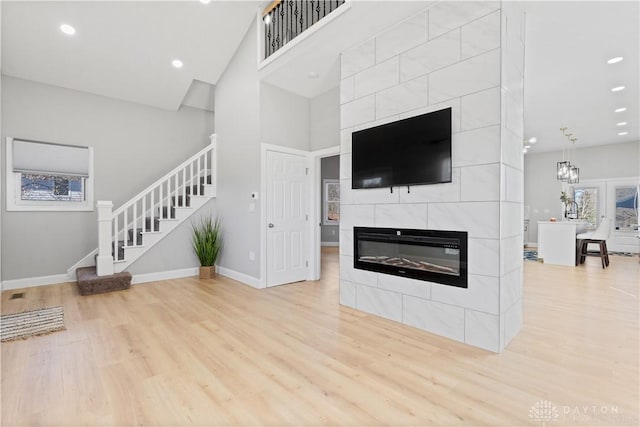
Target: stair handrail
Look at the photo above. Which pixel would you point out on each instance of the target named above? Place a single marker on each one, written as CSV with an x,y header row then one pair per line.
x,y
211,147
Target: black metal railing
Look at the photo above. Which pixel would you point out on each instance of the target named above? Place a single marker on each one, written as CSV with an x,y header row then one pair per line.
x,y
284,20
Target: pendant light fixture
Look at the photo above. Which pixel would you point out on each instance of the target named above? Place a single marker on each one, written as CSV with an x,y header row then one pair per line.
x,y
565,171
564,166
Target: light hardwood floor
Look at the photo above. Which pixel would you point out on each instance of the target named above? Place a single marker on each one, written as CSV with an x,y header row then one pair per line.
x,y
189,352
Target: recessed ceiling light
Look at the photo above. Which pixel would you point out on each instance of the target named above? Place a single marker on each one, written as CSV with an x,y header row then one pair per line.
x,y
617,89
533,140
524,150
67,29
620,110
622,133
177,63
205,1
621,123
267,19
313,75
527,146
615,60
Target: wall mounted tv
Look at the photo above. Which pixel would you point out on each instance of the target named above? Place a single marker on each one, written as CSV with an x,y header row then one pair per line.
x,y
412,151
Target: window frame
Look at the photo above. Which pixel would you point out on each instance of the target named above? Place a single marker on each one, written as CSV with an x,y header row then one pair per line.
x,y
13,189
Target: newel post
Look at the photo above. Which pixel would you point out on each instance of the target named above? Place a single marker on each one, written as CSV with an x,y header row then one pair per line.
x,y
104,261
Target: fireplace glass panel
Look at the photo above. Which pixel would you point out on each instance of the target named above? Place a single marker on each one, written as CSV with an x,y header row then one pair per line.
x,y
439,256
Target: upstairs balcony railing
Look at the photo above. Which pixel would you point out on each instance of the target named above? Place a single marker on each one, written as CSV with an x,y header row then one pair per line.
x,y
284,20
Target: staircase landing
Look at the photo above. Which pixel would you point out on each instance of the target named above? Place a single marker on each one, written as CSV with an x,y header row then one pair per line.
x,y
89,283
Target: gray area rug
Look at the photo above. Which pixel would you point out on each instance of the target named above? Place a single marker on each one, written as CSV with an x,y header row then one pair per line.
x,y
30,323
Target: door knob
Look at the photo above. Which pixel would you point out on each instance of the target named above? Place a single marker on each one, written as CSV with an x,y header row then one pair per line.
x,y
271,225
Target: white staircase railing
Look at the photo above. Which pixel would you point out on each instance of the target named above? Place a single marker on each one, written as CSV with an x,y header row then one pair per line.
x,y
123,228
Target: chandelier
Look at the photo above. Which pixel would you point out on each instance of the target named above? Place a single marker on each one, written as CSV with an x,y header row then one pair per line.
x,y
565,171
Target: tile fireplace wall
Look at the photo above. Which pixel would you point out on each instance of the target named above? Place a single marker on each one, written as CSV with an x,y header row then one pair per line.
x,y
468,56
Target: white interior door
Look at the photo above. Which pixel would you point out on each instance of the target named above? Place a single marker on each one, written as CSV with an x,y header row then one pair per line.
x,y
287,217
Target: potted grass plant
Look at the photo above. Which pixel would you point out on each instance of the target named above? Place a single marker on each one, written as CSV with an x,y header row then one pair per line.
x,y
206,244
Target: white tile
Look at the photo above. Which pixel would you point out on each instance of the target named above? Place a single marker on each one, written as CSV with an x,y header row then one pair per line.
x,y
447,15
454,104
375,195
448,192
483,257
379,302
404,97
407,215
481,109
345,140
378,77
346,242
358,58
510,289
482,330
511,147
476,147
441,319
401,37
481,35
480,183
346,193
514,184
472,75
483,294
403,285
355,275
511,254
511,219
348,294
375,123
359,111
345,166
356,215
346,90
479,219
430,56
512,321
513,112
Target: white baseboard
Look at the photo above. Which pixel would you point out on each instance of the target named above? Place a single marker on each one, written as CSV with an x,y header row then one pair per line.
x,y
164,275
329,243
30,282
240,277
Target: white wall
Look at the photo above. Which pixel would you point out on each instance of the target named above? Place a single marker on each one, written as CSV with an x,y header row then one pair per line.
x,y
284,117
542,189
453,55
133,144
238,120
324,120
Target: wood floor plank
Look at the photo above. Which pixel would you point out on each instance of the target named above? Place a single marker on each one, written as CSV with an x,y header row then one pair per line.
x,y
219,353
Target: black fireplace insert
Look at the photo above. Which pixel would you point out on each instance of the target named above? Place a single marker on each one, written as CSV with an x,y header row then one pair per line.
x,y
432,255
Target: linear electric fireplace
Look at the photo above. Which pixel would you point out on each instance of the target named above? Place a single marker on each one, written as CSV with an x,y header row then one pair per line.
x,y
433,255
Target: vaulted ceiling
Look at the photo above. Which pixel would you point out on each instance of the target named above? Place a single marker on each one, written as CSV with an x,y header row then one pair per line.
x,y
124,50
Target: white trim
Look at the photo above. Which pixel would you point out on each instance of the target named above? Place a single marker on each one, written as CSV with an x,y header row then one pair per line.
x,y
334,244
264,147
164,275
316,191
12,187
31,282
239,277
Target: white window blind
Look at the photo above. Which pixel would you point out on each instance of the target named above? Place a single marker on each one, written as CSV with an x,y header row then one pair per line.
x,y
47,158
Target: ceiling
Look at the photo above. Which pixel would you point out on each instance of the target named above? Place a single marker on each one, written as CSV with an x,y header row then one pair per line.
x,y
124,50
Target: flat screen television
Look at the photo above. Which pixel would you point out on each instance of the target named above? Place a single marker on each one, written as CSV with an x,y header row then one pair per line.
x,y
412,151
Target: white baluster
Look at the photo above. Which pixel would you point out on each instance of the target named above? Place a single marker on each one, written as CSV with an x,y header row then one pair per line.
x,y
135,223
184,186
199,176
153,209
160,201
117,234
144,213
126,229
193,190
206,156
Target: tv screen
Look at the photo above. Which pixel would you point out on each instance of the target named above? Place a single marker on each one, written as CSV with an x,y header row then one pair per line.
x,y
412,151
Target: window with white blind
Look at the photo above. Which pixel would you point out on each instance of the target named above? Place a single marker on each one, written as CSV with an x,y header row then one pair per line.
x,y
43,176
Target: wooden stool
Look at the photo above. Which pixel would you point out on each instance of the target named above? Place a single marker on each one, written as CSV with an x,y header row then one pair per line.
x,y
602,252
